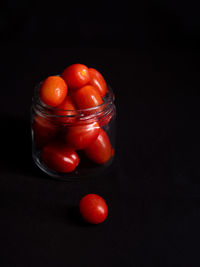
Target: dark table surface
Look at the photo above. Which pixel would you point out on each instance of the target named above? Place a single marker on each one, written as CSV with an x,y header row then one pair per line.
x,y
153,187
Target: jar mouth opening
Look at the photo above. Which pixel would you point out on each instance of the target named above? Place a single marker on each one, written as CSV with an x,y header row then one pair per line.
x,y
86,113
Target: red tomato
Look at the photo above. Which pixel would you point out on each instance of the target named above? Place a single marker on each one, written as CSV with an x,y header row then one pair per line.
x,y
53,91
93,208
97,80
79,136
76,76
67,108
59,158
87,97
44,130
100,151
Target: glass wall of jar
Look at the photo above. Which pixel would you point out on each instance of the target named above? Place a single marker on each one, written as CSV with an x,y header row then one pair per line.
x,y
73,144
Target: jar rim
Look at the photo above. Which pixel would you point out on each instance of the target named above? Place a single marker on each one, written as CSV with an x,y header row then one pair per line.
x,y
99,110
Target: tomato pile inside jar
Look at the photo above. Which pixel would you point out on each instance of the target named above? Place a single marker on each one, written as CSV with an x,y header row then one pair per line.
x,y
72,118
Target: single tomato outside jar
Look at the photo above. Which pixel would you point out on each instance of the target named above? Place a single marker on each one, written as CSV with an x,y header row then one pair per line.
x,y
73,144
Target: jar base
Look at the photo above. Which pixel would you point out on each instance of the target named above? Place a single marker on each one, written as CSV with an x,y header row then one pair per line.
x,y
79,174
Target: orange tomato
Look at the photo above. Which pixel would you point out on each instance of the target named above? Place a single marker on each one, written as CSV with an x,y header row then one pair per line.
x,y
53,91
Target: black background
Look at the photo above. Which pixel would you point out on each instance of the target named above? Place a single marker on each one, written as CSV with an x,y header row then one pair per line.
x,y
149,52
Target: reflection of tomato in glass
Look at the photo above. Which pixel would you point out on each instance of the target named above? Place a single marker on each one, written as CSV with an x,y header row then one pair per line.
x,y
76,76
93,208
100,151
113,152
87,97
44,130
59,158
67,109
105,119
79,136
97,80
53,91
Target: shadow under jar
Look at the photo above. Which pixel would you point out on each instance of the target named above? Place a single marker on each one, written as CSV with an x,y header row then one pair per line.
x,y
73,144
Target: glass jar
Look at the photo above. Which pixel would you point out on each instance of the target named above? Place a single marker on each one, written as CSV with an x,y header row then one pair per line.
x,y
85,138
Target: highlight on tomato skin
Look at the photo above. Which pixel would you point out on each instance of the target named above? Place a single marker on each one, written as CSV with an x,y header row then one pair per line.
x,y
44,131
53,91
97,80
87,97
67,109
100,151
93,208
60,158
80,136
76,76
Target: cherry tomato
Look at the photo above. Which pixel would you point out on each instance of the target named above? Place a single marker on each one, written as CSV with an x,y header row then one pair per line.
x,y
67,108
100,151
79,136
59,158
97,80
44,131
53,91
93,208
87,97
76,76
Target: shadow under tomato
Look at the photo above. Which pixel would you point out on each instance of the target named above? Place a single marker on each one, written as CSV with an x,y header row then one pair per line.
x,y
15,144
73,217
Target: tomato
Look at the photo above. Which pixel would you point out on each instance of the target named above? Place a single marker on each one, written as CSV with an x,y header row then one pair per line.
x,y
66,108
79,136
87,97
97,80
59,158
53,91
76,76
93,208
44,130
100,151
